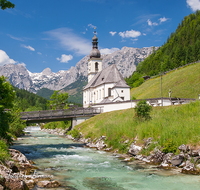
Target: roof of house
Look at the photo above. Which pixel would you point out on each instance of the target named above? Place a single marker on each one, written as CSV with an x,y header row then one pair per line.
x,y
107,75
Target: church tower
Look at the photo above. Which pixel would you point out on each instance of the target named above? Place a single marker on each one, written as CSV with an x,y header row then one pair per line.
x,y
95,61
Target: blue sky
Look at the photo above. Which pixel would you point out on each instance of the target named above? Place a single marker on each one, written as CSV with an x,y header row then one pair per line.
x,y
57,34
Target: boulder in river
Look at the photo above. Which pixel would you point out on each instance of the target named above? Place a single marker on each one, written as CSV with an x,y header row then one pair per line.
x,y
134,150
48,184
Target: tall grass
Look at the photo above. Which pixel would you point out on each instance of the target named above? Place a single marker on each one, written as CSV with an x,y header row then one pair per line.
x,y
174,124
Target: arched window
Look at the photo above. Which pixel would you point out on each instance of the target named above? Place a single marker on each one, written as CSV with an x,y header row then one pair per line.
x,y
96,67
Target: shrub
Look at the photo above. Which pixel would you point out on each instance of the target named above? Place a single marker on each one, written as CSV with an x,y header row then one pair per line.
x,y
169,146
143,110
74,133
4,154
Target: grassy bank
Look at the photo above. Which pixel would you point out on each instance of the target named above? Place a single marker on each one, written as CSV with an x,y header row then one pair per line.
x,y
58,124
184,83
170,127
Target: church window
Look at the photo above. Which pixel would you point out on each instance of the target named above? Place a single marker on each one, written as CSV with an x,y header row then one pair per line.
x,y
97,94
103,92
96,67
109,91
122,91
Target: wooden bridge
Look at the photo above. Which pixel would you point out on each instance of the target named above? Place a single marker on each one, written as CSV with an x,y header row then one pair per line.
x,y
59,115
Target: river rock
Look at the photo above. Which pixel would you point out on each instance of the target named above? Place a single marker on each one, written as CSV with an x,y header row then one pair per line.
x,y
48,184
196,159
183,148
100,145
12,166
108,149
177,160
189,168
166,160
16,184
194,153
139,157
157,158
134,150
18,156
30,183
148,142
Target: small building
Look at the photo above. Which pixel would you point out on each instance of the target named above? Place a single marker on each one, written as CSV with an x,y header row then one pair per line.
x,y
104,85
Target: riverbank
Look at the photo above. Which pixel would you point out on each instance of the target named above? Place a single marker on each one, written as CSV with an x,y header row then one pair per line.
x,y
79,167
186,162
18,173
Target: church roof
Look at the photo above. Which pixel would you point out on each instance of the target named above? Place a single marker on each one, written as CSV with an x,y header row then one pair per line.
x,y
107,75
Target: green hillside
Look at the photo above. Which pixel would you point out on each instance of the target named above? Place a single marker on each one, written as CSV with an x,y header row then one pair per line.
x,y
25,100
183,82
45,93
75,90
169,127
182,47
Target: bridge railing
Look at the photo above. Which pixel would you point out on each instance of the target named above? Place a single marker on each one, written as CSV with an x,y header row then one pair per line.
x,y
59,113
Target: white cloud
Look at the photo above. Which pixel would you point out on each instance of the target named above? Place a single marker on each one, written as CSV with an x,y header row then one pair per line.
x,y
23,64
28,47
4,59
65,58
130,34
108,51
112,33
15,38
194,4
151,23
71,41
39,53
163,19
144,34
134,40
91,26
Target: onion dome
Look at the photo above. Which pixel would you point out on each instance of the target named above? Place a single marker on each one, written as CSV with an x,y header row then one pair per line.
x,y
95,52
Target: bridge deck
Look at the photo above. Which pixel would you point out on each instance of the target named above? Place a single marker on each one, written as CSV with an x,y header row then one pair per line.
x,y
58,115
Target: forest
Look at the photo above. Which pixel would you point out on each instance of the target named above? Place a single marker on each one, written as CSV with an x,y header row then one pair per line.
x,y
181,48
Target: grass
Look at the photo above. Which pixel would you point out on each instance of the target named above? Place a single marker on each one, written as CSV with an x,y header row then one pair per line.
x,y
4,153
58,124
184,83
170,127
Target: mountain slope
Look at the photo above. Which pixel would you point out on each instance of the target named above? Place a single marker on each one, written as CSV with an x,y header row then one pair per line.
x,y
183,82
182,47
125,59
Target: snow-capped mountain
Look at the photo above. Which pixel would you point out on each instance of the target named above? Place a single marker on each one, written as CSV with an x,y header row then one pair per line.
x,y
125,59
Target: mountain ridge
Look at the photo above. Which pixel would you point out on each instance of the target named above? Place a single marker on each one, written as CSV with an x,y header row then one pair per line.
x,y
125,59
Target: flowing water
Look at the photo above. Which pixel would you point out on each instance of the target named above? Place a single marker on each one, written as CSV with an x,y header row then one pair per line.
x,y
77,167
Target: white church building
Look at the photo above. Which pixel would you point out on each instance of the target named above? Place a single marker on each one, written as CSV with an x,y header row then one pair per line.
x,y
104,85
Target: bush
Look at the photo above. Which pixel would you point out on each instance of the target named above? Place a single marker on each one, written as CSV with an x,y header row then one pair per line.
x,y
4,154
169,146
143,110
74,133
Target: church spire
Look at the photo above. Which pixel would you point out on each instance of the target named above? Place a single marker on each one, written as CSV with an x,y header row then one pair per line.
x,y
95,52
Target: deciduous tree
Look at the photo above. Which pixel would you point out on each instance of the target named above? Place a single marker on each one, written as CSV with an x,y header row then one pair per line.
x,y
6,4
58,100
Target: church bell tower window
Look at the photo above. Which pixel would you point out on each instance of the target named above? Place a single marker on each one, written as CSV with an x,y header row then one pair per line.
x,y
96,67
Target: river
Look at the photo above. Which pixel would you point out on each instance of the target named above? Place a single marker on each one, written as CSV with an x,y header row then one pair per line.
x,y
80,168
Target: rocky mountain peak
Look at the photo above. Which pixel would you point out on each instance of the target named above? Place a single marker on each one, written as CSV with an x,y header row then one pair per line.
x,y
47,71
125,59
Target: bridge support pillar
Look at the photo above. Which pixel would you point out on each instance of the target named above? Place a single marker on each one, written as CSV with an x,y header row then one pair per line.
x,y
77,120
